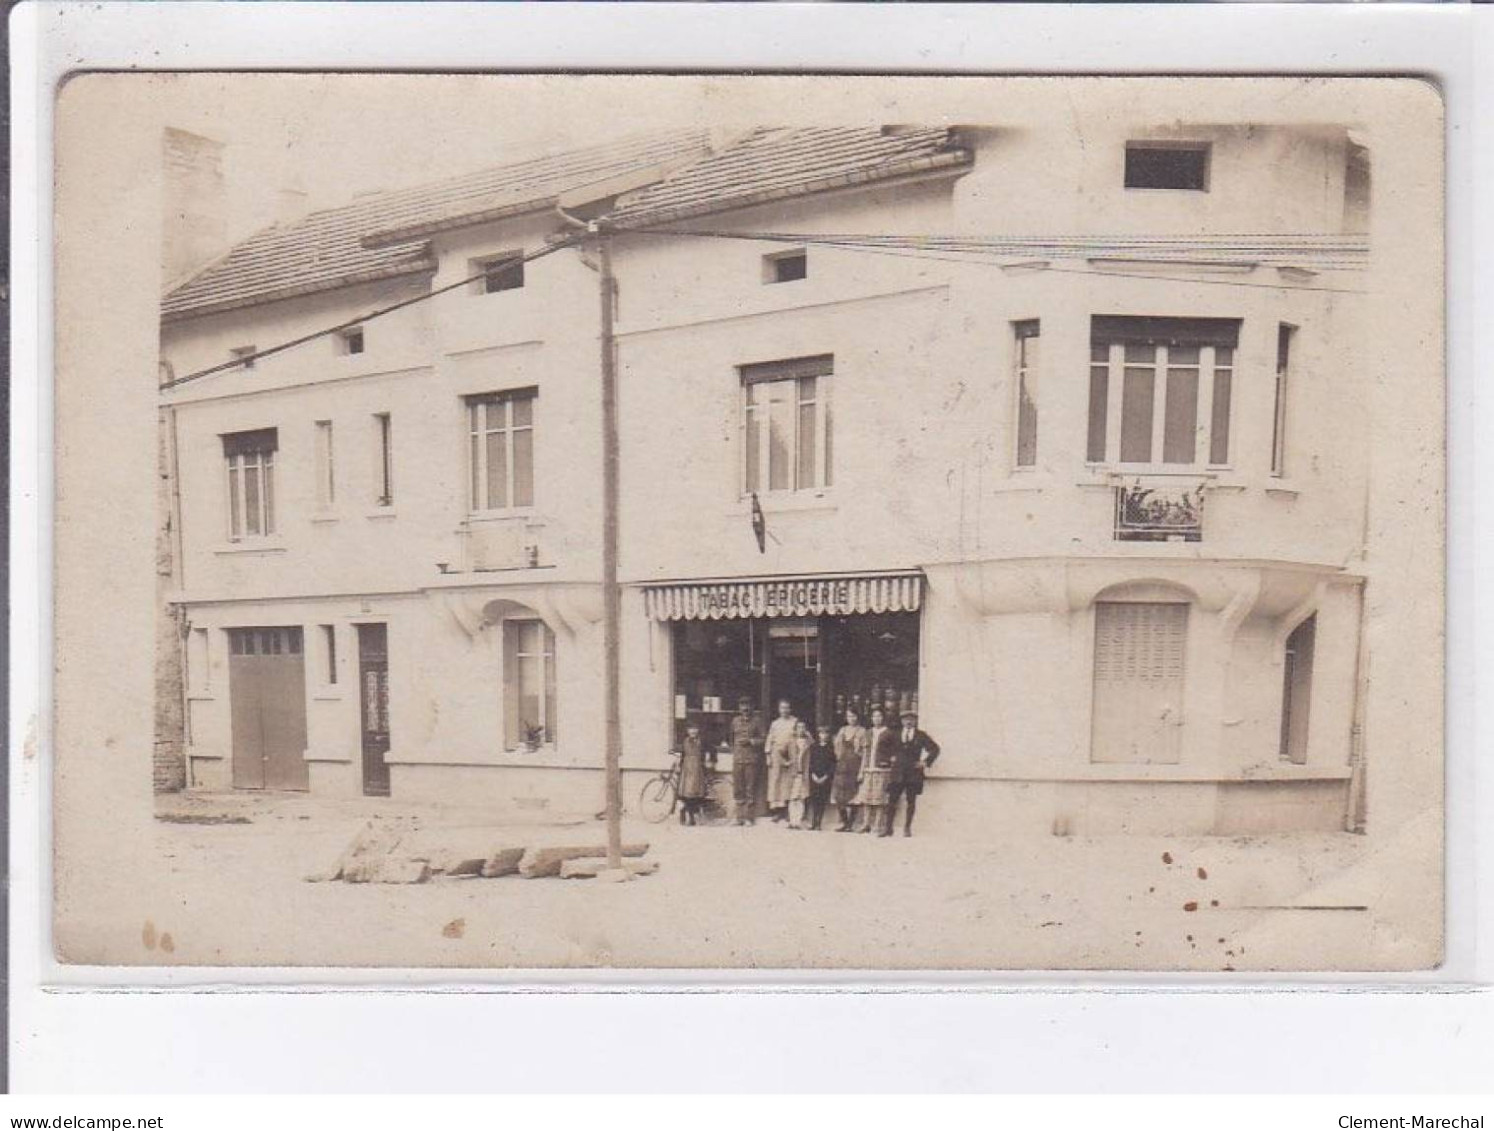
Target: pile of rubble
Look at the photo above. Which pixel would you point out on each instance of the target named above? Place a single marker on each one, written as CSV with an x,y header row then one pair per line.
x,y
395,852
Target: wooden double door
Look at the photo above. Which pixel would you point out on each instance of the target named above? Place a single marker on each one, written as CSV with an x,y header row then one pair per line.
x,y
267,698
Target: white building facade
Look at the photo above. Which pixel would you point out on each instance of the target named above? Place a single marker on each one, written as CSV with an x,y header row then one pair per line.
x,y
1053,426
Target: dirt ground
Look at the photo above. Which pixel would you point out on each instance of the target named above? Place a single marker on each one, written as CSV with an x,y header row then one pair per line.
x,y
231,889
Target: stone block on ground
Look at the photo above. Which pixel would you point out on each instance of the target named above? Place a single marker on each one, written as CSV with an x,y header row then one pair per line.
x,y
587,867
449,863
368,844
400,870
546,861
503,862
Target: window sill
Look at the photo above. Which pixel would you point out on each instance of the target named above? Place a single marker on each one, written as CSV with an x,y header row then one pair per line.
x,y
1283,487
821,499
1025,479
257,547
1109,475
528,516
381,512
327,696
201,697
322,517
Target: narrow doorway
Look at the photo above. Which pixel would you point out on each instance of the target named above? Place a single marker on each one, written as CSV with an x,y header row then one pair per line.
x,y
1296,691
373,693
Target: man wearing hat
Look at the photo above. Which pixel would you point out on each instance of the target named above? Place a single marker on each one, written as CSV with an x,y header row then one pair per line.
x,y
914,752
747,757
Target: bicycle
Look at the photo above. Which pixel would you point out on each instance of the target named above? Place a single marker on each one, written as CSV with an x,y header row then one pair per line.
x,y
661,793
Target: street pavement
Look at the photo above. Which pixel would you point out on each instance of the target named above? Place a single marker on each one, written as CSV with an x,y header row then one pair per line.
x,y
231,889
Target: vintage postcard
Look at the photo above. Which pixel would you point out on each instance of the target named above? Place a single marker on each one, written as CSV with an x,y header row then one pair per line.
x,y
741,524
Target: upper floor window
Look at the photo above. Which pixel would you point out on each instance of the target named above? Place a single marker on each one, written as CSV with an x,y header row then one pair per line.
x,y
384,460
1284,334
495,273
1160,391
500,430
250,457
786,424
326,477
1167,165
786,266
1027,354
350,341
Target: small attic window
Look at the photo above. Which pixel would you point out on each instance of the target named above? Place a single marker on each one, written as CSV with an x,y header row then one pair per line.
x,y
1167,165
350,341
496,273
243,354
786,266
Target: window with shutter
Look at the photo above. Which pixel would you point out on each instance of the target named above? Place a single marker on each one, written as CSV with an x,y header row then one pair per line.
x,y
1138,681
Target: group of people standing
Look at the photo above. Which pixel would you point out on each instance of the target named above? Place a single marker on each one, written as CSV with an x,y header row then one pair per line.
x,y
864,771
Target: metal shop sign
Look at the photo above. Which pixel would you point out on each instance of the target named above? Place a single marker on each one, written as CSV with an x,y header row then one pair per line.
x,y
796,597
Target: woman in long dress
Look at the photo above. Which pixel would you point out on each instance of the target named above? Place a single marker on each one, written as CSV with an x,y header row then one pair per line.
x,y
876,773
850,748
779,748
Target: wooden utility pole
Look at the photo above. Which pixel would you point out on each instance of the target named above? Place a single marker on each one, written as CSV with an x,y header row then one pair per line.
x,y
611,592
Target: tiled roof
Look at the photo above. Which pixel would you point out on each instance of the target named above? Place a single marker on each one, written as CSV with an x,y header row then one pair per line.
x,y
384,236
774,163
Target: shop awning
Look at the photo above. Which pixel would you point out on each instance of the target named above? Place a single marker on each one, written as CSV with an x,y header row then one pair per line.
x,y
810,596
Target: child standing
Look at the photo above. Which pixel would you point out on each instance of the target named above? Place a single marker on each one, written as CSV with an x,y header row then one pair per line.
x,y
694,778
797,792
821,771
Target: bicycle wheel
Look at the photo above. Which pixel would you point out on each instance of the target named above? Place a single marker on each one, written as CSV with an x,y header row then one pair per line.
x,y
656,801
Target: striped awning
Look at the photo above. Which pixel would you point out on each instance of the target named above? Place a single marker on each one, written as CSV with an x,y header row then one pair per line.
x,y
900,592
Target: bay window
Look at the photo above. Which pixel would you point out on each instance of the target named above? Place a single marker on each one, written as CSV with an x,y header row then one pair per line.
x,y
1160,391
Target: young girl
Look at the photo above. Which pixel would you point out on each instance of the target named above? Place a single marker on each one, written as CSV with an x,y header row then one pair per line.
x,y
693,776
820,772
850,746
797,792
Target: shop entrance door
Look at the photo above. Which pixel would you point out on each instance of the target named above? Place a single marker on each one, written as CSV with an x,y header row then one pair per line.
x,y
373,685
794,668
267,705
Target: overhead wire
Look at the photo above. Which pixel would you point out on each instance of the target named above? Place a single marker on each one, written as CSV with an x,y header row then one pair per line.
x,y
363,319
913,250
966,250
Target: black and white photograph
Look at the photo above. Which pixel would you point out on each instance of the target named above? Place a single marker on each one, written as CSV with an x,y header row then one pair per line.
x,y
742,524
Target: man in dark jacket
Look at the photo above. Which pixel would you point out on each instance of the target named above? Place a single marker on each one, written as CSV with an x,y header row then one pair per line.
x,y
746,761
915,752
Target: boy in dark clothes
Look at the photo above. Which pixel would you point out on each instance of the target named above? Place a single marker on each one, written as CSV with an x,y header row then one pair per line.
x,y
821,772
696,762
